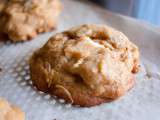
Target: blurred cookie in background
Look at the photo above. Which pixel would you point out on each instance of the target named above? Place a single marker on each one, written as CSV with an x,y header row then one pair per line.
x,y
24,19
10,112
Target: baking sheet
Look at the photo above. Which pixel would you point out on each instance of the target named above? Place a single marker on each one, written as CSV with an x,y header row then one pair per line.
x,y
141,103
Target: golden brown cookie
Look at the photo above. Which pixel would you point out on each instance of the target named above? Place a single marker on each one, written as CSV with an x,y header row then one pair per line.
x,y
86,65
24,19
10,112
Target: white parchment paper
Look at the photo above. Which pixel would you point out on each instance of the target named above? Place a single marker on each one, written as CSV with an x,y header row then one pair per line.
x,y
141,103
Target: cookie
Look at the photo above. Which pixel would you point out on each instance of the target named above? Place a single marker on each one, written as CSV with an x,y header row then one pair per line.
x,y
10,112
86,65
23,19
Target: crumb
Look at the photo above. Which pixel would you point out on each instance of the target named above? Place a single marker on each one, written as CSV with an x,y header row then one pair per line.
x,y
148,75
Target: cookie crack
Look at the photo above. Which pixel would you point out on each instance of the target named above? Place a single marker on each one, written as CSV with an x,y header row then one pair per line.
x,y
66,91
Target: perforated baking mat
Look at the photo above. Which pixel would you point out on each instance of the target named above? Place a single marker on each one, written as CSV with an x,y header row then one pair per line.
x,y
141,103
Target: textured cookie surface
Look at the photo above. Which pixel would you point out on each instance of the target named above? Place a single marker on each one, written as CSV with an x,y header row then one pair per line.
x,y
86,65
10,112
24,19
